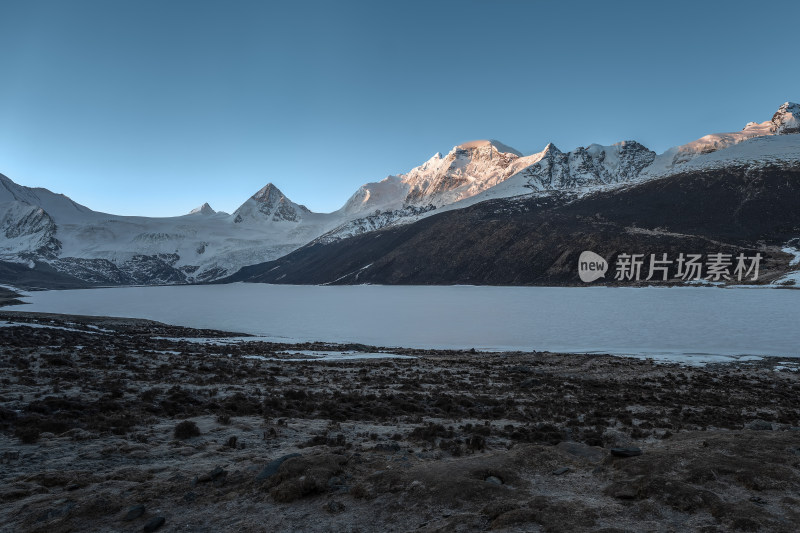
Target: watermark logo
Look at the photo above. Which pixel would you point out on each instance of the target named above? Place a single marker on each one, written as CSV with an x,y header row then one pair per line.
x,y
715,267
591,267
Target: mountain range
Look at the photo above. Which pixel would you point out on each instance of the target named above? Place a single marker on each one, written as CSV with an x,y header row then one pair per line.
x,y
482,213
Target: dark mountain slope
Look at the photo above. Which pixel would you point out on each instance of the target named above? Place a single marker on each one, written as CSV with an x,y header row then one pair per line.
x,y
537,241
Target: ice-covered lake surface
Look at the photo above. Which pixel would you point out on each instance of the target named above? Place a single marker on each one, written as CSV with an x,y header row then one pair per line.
x,y
685,324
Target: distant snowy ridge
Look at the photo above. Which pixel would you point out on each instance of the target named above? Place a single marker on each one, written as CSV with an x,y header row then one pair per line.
x,y
757,151
37,225
785,121
583,170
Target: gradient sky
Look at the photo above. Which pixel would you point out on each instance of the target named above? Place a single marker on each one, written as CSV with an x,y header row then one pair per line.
x,y
154,107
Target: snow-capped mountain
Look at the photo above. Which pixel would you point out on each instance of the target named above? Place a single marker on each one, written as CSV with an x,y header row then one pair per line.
x,y
786,120
733,193
204,209
270,204
41,227
485,170
465,171
595,165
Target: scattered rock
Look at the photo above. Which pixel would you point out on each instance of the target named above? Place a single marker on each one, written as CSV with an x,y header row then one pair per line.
x,y
337,484
387,447
186,430
56,512
626,452
272,467
134,512
629,489
213,475
584,451
494,479
688,498
617,439
759,425
561,471
495,509
154,524
333,507
302,476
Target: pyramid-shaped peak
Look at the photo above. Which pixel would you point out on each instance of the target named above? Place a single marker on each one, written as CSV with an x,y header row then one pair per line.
x,y
268,193
204,209
551,149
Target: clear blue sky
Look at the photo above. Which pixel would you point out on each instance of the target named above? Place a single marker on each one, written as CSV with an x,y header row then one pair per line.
x,y
154,107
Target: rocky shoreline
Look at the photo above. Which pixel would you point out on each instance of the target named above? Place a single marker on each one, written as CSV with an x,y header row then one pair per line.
x,y
131,425
8,297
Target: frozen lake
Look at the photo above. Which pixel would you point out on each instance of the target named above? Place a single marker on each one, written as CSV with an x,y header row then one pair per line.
x,y
693,324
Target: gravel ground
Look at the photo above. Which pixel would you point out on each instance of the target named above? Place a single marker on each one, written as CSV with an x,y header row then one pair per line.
x,y
115,424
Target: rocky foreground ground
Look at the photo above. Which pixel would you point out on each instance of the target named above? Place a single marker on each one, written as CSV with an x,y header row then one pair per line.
x,y
128,425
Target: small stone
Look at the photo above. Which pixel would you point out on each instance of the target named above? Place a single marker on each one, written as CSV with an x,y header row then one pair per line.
x,y
625,493
561,471
584,451
56,512
626,452
337,484
333,507
134,512
759,425
189,497
494,479
617,439
631,489
154,524
272,467
211,476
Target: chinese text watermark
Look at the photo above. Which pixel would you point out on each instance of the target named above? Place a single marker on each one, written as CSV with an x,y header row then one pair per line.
x,y
715,267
